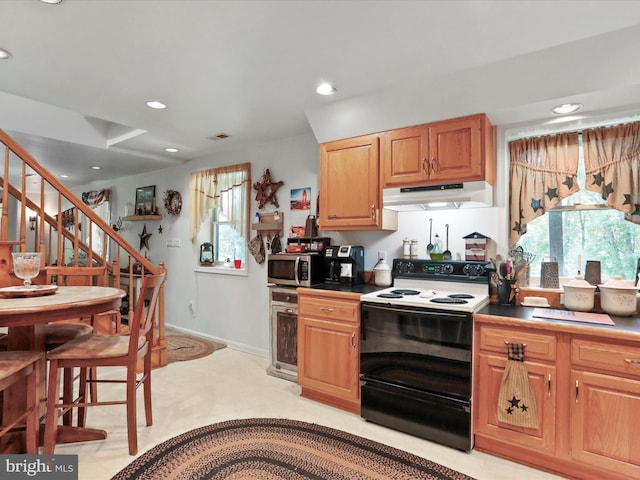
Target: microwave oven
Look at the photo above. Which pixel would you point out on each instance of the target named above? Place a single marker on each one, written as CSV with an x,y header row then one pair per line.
x,y
296,269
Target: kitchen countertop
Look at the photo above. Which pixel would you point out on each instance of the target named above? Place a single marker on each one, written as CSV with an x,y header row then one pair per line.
x,y
625,327
361,288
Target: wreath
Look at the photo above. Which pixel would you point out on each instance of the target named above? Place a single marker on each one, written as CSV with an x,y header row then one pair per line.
x,y
172,202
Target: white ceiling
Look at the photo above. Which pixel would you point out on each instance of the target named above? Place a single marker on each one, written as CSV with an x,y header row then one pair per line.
x,y
74,92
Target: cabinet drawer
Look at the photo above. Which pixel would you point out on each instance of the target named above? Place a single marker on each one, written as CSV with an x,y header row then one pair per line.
x,y
284,297
607,356
329,309
539,346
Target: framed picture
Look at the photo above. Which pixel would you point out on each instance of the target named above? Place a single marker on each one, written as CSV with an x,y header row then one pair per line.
x,y
146,200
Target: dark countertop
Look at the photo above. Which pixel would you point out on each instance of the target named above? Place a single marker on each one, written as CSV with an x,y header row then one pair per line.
x,y
361,288
623,325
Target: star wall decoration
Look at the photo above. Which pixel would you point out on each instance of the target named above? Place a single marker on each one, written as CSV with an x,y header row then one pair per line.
x,y
144,238
160,229
266,190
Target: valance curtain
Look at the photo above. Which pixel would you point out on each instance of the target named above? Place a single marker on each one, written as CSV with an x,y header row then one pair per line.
x,y
215,188
543,171
612,166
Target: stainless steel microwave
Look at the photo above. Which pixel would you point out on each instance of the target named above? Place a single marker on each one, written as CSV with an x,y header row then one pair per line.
x,y
296,269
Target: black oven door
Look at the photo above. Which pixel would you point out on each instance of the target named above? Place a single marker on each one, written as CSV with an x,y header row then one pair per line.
x,y
428,350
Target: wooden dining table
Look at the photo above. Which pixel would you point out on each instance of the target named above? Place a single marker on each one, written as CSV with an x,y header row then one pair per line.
x,y
24,316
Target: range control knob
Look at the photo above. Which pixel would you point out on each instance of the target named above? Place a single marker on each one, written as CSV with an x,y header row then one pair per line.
x,y
473,270
447,268
404,267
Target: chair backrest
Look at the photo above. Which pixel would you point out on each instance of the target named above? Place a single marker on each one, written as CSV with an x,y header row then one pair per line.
x,y
144,311
79,276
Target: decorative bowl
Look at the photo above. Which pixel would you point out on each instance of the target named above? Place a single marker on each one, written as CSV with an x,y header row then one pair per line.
x,y
619,297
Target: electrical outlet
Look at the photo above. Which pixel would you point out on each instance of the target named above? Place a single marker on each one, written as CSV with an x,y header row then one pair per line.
x,y
382,254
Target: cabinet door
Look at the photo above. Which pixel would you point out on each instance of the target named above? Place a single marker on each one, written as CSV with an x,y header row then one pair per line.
x,y
456,151
543,379
328,360
403,155
605,422
349,184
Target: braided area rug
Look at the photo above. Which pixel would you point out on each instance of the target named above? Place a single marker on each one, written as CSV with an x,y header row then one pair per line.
x,y
188,347
270,449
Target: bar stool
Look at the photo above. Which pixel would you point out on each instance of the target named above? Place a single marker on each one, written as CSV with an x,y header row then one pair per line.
x,y
15,367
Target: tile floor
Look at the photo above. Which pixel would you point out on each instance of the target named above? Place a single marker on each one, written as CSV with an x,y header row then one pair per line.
x,y
229,385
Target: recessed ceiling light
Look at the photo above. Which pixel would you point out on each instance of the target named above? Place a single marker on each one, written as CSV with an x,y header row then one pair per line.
x,y
96,167
156,104
566,108
171,150
64,176
325,89
4,54
51,1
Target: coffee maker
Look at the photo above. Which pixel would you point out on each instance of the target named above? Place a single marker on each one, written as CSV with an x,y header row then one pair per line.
x,y
344,264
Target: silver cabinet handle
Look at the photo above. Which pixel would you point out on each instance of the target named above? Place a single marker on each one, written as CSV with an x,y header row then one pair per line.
x,y
373,211
632,362
433,165
326,309
549,385
333,217
577,391
425,165
289,310
353,340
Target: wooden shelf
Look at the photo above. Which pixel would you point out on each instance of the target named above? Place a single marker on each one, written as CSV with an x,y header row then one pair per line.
x,y
268,223
267,227
140,218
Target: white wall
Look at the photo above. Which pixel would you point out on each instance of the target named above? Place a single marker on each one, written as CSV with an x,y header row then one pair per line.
x,y
235,309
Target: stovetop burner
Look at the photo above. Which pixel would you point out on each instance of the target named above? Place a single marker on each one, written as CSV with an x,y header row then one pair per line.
x,y
460,295
404,291
389,295
450,300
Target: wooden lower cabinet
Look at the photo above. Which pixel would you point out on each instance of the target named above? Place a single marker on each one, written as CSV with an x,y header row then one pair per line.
x,y
587,392
328,351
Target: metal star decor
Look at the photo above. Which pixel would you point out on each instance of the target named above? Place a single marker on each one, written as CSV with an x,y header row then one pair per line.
x,y
144,238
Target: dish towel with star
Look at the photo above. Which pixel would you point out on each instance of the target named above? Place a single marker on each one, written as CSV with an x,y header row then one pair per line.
x,y
516,400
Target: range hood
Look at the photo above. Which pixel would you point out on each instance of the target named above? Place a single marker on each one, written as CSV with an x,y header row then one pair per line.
x,y
439,197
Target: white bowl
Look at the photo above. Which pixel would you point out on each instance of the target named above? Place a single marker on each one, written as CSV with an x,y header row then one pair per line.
x,y
619,297
579,295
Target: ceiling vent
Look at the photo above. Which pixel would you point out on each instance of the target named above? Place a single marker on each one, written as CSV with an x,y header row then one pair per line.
x,y
219,136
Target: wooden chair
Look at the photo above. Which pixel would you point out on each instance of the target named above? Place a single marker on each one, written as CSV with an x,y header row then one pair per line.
x,y
14,368
90,276
99,350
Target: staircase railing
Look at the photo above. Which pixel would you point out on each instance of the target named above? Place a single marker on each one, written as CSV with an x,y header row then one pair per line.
x,y
41,214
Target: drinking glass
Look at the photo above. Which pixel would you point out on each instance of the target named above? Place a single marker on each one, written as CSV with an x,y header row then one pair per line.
x,y
26,265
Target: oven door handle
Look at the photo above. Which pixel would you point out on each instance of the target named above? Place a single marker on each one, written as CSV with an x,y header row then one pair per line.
x,y
295,270
420,311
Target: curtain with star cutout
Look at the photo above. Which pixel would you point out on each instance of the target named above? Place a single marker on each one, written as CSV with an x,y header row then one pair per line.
x,y
543,171
612,166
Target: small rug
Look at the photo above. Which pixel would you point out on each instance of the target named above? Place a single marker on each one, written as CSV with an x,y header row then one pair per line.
x,y
187,347
279,449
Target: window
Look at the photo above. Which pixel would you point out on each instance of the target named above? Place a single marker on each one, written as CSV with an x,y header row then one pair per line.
x,y
582,228
219,211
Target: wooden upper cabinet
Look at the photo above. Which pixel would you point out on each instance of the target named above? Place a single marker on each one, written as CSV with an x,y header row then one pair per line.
x,y
350,194
456,150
